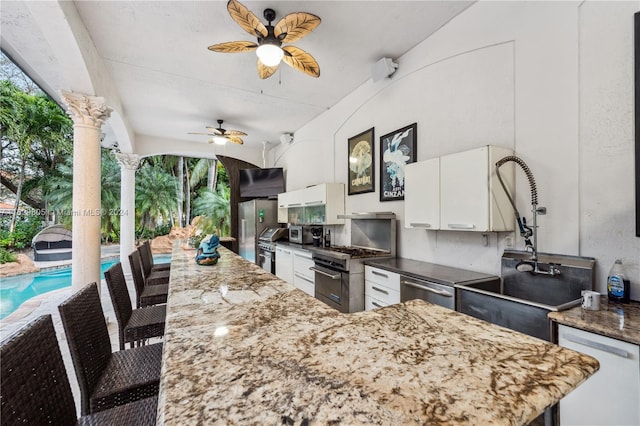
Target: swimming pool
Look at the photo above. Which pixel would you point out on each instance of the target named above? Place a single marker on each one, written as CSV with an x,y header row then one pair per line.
x,y
16,290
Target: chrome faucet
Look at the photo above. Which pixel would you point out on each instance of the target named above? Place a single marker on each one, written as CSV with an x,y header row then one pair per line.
x,y
529,233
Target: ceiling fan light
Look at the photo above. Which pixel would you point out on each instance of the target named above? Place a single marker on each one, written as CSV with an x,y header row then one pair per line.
x,y
269,54
219,140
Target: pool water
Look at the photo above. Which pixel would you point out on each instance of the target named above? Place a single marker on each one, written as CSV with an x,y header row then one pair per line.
x,y
16,290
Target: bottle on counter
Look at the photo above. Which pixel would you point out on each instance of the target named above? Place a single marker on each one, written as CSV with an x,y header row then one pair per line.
x,y
327,239
618,286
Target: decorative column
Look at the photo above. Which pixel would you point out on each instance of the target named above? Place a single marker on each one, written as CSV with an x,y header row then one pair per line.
x,y
88,114
128,165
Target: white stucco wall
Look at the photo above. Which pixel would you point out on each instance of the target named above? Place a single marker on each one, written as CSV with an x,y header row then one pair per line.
x,y
552,81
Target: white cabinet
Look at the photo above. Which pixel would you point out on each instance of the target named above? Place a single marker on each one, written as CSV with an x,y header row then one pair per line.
x,y
422,194
381,288
283,206
284,263
303,277
292,265
612,395
471,198
318,205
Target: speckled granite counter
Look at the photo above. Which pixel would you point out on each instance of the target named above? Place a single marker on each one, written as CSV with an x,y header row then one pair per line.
x,y
244,347
615,320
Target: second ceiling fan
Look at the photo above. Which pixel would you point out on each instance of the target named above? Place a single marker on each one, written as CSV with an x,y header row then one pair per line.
x,y
269,47
220,136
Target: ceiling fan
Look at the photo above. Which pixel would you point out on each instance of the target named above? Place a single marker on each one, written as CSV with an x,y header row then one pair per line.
x,y
269,47
220,136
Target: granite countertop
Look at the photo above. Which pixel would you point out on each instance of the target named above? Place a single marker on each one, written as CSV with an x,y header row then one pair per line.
x,y
616,320
429,271
244,347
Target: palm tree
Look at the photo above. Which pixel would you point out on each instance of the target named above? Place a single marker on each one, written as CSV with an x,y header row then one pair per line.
x,y
38,121
216,207
156,192
60,194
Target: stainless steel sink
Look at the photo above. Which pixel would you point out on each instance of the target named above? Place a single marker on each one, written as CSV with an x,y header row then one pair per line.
x,y
522,300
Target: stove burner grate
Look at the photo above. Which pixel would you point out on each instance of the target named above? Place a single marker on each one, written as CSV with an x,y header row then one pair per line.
x,y
356,252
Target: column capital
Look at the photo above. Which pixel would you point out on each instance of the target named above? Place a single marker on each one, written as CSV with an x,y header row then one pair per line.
x,y
85,109
128,161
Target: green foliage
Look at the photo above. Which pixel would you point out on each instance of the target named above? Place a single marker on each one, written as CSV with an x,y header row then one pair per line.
x,y
216,208
148,234
155,197
27,226
6,256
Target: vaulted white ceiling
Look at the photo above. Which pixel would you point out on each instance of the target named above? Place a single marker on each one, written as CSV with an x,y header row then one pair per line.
x,y
150,61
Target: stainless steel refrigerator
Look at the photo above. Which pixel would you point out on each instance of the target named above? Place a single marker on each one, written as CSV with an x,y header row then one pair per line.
x,y
253,217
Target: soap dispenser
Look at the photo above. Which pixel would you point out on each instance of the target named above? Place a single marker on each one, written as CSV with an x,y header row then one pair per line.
x,y
618,286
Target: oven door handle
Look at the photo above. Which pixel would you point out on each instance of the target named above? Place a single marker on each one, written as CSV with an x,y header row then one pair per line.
x,y
430,290
333,277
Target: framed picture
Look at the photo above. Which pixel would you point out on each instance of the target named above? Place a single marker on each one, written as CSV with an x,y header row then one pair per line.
x,y
360,166
396,149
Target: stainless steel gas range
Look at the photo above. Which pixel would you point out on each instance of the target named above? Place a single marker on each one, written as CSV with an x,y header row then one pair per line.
x,y
339,270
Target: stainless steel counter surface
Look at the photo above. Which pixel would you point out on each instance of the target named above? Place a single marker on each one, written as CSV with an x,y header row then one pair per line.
x,y
244,347
428,271
616,320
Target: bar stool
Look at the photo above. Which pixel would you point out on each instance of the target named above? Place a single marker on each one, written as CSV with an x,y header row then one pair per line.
x,y
107,379
146,295
145,250
35,386
134,325
151,277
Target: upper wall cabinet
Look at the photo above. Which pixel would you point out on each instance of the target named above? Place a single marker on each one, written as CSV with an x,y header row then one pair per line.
x,y
422,194
318,204
460,192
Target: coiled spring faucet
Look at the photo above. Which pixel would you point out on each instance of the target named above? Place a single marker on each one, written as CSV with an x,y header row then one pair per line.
x,y
529,233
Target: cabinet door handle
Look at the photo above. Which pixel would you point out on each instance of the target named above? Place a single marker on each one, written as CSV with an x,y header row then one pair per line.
x,y
420,225
380,290
310,203
380,274
286,251
597,345
377,305
302,255
302,277
461,225
295,204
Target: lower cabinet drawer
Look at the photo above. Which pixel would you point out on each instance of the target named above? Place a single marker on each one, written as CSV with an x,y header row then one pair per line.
x,y
388,279
304,283
381,293
373,303
302,264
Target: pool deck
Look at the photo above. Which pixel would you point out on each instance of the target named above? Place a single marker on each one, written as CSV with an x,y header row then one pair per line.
x,y
48,304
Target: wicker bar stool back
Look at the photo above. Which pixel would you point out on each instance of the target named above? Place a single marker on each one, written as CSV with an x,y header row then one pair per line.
x,y
35,387
146,295
88,339
106,379
151,277
145,250
133,325
34,384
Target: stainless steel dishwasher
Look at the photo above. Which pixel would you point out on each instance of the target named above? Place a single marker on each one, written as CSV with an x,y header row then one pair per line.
x,y
438,294
436,283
